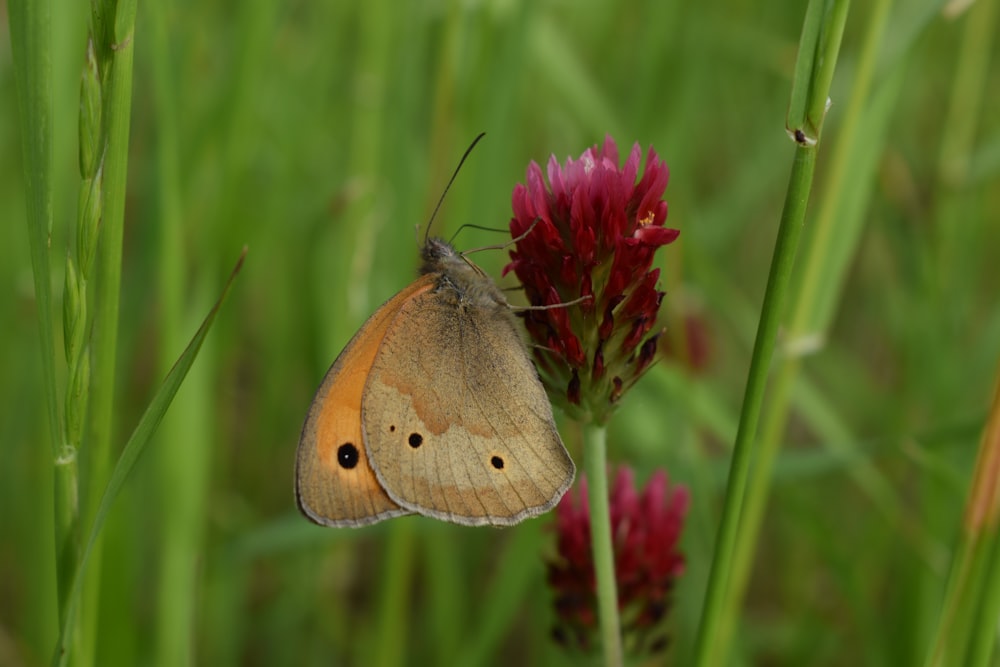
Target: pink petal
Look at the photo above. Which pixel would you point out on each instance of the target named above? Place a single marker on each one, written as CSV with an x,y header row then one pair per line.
x,y
654,237
610,149
556,182
631,168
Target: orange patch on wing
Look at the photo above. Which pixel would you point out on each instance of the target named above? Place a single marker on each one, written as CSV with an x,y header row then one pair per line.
x,y
328,491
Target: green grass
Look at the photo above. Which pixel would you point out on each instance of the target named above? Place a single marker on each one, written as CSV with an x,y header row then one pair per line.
x,y
320,134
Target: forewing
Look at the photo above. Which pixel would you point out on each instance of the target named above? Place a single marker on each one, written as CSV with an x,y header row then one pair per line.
x,y
334,484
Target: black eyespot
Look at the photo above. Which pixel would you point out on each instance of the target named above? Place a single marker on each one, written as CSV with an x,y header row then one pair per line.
x,y
415,440
347,455
392,428
497,462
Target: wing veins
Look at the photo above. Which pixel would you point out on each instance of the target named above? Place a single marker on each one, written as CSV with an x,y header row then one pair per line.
x,y
524,504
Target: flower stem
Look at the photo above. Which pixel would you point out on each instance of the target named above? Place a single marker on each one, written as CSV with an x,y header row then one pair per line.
x,y
595,460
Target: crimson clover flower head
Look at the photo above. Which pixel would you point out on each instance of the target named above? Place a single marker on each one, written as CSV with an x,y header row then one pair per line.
x,y
590,234
645,528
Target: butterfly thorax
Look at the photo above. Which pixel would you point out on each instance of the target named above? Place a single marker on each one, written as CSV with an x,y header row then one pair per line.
x,y
468,283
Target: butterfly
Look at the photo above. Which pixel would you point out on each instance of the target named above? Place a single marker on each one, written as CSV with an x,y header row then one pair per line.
x,y
433,408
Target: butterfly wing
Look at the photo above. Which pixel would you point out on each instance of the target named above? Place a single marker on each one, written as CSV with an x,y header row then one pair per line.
x,y
457,424
334,484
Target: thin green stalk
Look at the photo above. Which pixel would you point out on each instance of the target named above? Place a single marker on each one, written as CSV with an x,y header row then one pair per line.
x,y
710,647
115,56
959,131
837,188
954,620
134,448
393,605
31,40
183,464
76,295
31,49
708,650
800,96
983,635
595,460
821,271
962,631
971,599
827,50
969,609
113,30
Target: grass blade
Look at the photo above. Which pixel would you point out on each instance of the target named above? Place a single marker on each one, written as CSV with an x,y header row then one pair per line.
x,y
30,37
134,448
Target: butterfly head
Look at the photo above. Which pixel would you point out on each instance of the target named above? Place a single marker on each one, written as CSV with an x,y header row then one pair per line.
x,y
439,256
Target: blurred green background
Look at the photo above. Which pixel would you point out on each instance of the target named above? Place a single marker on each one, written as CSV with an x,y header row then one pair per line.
x,y
321,134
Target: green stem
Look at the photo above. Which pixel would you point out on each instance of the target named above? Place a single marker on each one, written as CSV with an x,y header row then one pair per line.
x,y
31,48
133,449
595,461
966,627
183,465
31,39
984,638
965,630
821,270
394,596
806,114
109,264
952,628
708,651
114,35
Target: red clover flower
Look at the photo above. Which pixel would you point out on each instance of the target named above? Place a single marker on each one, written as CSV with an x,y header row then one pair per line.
x,y
645,529
591,233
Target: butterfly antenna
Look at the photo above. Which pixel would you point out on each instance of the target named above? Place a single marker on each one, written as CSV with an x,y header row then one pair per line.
x,y
498,230
427,230
513,241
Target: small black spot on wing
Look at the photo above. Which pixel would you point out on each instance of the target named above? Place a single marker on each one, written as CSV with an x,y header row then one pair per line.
x,y
347,455
497,462
415,440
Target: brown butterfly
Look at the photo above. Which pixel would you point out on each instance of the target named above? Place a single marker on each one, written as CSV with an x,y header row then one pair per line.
x,y
433,408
